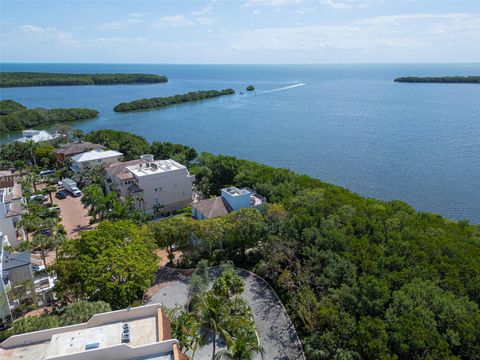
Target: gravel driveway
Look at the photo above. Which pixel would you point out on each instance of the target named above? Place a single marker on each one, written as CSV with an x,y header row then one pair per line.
x,y
276,332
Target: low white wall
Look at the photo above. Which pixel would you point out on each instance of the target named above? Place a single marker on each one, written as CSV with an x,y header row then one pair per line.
x,y
96,320
120,352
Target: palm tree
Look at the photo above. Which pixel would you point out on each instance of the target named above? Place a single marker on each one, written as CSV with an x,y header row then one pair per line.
x,y
78,134
48,190
211,313
243,347
42,242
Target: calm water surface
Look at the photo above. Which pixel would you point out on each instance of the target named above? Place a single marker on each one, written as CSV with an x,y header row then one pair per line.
x,y
349,125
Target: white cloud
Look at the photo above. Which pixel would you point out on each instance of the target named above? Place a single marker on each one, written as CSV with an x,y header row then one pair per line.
x,y
205,10
414,31
47,34
302,10
256,12
250,3
119,25
174,21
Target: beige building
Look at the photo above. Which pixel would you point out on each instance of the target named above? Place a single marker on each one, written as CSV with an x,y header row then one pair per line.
x,y
135,333
156,185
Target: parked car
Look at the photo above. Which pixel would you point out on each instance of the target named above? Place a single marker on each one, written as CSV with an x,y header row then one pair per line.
x,y
61,194
37,268
46,172
38,197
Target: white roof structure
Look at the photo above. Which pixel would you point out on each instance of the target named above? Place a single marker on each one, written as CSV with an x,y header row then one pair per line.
x,y
96,154
35,136
155,167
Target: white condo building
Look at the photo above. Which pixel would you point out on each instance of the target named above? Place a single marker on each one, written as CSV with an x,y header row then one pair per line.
x,y
157,185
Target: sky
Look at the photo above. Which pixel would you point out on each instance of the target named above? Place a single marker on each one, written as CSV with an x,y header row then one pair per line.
x,y
240,31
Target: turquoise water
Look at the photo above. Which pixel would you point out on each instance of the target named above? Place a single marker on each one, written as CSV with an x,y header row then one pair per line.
x,y
349,125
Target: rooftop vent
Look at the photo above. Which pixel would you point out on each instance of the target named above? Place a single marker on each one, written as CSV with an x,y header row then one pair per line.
x,y
147,157
92,346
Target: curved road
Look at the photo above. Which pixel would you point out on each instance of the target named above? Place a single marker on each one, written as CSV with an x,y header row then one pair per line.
x,y
275,330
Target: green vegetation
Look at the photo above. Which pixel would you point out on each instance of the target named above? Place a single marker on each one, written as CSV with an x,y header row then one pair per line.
x,y
360,278
20,79
158,102
440,79
10,106
75,313
114,263
250,88
132,146
15,116
219,312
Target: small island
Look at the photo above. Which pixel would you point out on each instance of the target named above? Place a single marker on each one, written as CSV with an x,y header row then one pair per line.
x,y
15,116
440,79
158,102
26,79
250,88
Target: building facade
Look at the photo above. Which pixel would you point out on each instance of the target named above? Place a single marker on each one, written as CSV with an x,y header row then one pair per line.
x,y
72,149
11,202
157,186
231,199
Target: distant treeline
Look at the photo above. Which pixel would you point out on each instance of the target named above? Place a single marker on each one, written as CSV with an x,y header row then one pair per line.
x,y
440,79
19,79
158,102
15,116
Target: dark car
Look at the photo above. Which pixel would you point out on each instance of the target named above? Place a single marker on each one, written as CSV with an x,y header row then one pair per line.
x,y
46,232
61,195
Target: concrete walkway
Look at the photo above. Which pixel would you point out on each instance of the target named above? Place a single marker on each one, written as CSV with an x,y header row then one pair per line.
x,y
276,332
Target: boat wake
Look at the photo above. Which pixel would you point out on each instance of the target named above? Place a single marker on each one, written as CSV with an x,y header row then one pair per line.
x,y
282,88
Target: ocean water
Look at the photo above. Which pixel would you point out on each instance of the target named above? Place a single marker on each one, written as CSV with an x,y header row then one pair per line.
x,y
349,125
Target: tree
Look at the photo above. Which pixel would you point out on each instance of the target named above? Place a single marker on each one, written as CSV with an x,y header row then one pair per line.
x,y
228,284
49,190
82,311
114,263
243,347
211,311
173,233
78,134
93,197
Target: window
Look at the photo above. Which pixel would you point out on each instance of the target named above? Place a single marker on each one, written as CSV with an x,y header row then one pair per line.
x,y
158,189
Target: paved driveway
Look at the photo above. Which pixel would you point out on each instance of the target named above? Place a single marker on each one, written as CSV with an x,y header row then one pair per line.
x,y
275,330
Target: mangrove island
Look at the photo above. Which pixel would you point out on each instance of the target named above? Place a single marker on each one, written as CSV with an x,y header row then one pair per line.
x,y
440,79
25,79
15,116
158,102
250,88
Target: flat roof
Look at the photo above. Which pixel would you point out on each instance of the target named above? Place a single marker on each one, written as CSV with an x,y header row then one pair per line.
x,y
155,167
149,338
142,332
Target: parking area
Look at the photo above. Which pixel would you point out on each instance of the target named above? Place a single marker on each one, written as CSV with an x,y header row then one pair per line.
x,y
75,216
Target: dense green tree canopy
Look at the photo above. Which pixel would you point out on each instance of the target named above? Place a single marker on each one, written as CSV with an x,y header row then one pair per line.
x,y
114,263
440,79
14,116
18,79
131,145
158,102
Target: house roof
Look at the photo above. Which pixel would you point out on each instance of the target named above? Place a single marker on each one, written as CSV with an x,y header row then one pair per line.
x,y
120,171
35,136
15,209
96,154
14,260
71,149
15,194
212,208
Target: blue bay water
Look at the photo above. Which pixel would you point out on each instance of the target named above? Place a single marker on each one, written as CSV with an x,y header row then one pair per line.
x,y
349,125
